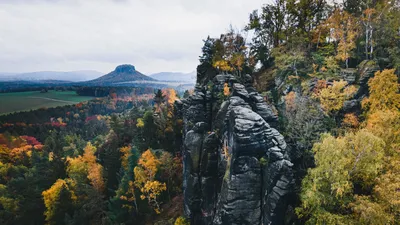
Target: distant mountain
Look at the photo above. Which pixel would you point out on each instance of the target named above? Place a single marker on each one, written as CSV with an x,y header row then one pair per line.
x,y
175,76
123,73
6,74
72,76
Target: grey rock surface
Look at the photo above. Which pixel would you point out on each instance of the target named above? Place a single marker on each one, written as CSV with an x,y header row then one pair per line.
x,y
236,169
349,75
366,70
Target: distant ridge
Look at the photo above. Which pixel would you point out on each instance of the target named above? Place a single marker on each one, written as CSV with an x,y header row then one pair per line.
x,y
122,73
175,76
71,76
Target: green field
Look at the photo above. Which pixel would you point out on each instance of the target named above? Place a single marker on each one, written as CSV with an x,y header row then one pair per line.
x,y
24,101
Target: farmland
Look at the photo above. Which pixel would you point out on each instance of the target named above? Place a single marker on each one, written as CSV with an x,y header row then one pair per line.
x,y
25,101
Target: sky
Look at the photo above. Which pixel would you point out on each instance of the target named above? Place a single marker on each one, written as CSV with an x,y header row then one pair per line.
x,y
153,35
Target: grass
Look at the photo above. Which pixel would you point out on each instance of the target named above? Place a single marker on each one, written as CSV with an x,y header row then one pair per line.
x,y
25,101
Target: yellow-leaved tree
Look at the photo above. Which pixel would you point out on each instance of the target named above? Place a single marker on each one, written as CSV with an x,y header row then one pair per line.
x,y
383,108
230,53
145,180
357,177
125,154
384,92
342,165
58,201
181,221
383,120
222,65
386,125
344,29
140,123
85,167
332,97
170,95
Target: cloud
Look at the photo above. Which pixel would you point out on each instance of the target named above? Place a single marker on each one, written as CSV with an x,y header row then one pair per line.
x,y
153,35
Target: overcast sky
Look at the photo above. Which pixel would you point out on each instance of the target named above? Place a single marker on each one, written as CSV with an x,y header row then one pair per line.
x,y
153,35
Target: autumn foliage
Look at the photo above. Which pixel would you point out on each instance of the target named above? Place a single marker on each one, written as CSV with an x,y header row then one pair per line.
x,y
361,186
226,89
290,101
350,120
16,149
170,95
87,166
332,97
384,92
145,179
57,200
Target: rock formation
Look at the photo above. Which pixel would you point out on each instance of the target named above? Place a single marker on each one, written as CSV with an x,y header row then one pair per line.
x,y
125,68
236,169
122,73
365,71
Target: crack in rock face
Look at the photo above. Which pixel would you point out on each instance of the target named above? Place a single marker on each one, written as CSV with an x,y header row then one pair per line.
x,y
236,168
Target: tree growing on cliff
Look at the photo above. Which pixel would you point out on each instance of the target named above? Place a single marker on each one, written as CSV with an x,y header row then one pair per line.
x,y
288,58
343,29
208,51
332,97
303,124
384,92
344,166
382,107
231,53
362,184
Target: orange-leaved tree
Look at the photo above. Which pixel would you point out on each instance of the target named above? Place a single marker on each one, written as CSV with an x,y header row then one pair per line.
x,y
383,107
343,29
384,92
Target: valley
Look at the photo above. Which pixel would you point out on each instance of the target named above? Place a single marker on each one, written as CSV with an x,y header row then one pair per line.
x,y
31,100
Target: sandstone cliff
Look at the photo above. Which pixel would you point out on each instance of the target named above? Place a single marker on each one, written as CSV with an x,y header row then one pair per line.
x,y
236,168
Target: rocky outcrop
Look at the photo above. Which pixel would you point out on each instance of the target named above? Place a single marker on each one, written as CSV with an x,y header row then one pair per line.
x,y
349,75
365,70
236,168
121,74
125,68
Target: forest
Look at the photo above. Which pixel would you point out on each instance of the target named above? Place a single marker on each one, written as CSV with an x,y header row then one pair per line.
x,y
329,71
332,73
98,162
